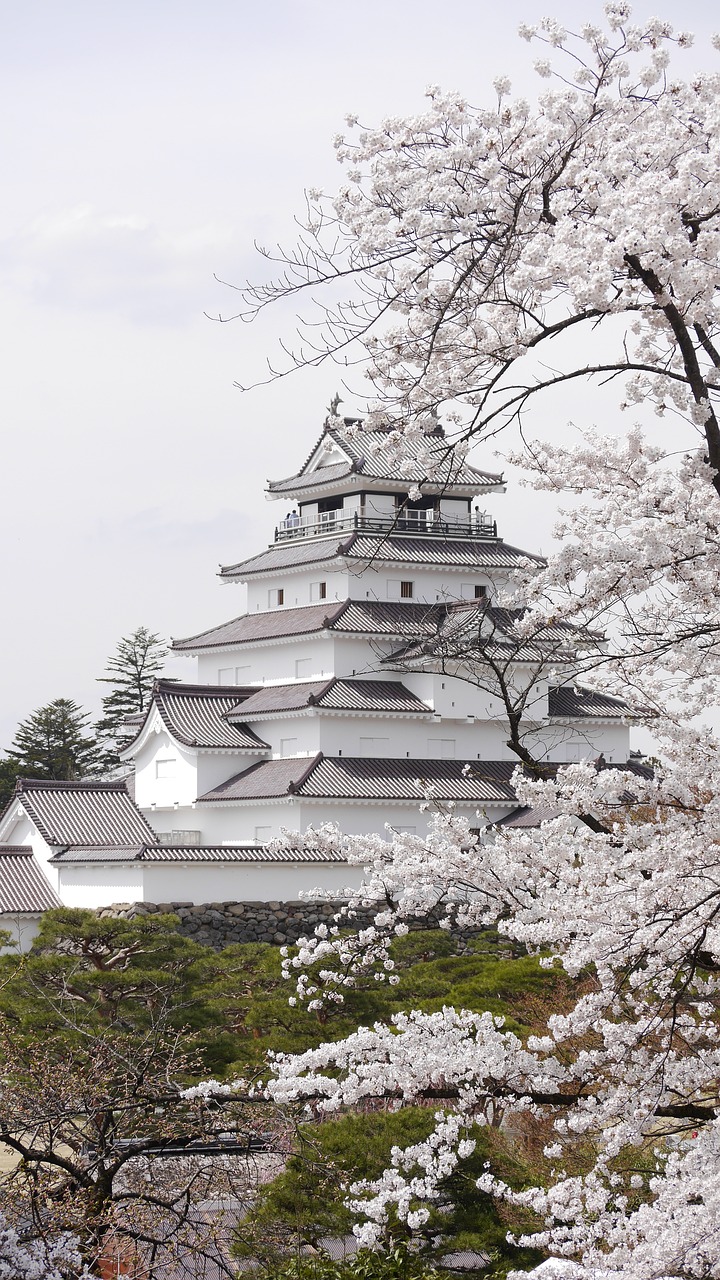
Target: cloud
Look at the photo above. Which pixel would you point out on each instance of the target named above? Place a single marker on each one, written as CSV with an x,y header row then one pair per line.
x,y
86,260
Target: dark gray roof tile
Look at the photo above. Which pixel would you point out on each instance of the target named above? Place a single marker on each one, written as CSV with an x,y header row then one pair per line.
x,y
23,885
196,715
372,455
394,549
332,695
571,701
353,778
85,813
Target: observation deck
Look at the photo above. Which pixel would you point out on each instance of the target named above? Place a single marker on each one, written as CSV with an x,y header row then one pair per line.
x,y
416,524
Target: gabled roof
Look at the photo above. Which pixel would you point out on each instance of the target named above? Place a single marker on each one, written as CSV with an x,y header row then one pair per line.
x,y
468,627
386,549
332,695
428,459
571,702
195,715
192,853
86,813
23,886
353,778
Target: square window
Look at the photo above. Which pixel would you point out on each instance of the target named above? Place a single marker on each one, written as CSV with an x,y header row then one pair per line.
x,y
288,746
406,590
276,597
165,768
318,591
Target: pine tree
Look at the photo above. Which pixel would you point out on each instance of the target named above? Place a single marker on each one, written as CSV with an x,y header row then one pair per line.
x,y
131,671
54,743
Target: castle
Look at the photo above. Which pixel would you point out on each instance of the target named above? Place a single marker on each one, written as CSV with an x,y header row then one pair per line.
x,y
373,661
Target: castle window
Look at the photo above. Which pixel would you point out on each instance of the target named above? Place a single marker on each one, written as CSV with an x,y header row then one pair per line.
x,y
288,746
406,590
318,591
276,597
398,590
441,748
165,768
473,591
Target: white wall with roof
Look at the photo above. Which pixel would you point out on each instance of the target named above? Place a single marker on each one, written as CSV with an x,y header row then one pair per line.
x,y
98,884
22,927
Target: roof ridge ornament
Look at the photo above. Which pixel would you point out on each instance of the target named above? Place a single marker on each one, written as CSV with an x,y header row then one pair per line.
x,y
332,409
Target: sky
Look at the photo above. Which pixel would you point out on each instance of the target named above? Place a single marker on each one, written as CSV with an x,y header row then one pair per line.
x,y
146,148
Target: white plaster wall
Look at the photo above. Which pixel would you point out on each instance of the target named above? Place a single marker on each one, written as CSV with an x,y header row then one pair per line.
x,y
100,884
570,743
180,789
296,586
274,663
279,734
243,882
213,769
23,929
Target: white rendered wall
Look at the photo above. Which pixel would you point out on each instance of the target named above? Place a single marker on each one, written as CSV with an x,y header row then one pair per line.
x,y
161,755
100,884
243,882
23,928
272,663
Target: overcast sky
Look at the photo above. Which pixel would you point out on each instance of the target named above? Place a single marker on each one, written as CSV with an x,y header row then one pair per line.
x,y
145,146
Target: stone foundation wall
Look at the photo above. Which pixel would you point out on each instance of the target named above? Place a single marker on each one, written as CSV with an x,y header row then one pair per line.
x,y
219,924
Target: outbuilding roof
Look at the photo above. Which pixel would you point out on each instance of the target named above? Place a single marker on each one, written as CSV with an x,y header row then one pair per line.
x,y
23,886
378,548
83,813
427,459
193,853
335,694
355,778
195,715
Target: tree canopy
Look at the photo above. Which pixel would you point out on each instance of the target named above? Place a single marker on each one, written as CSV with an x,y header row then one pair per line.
x,y
470,250
131,672
54,743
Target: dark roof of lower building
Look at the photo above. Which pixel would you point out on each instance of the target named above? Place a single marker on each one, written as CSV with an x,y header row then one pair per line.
x,y
193,853
336,694
24,888
571,702
86,813
355,778
195,715
394,549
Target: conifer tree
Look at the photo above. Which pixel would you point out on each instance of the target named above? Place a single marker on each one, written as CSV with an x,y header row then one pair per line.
x,y
131,672
54,743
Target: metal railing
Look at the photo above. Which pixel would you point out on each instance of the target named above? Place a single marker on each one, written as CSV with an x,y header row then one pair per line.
x,y
417,523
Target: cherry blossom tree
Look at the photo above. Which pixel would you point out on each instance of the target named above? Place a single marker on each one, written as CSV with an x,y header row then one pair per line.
x,y
466,251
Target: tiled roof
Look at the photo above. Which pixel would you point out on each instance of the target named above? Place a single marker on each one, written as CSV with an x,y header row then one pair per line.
x,y
23,886
371,617
332,695
289,555
388,618
195,714
570,701
461,628
281,697
237,853
86,813
526,819
371,695
372,455
270,625
384,549
353,778
191,853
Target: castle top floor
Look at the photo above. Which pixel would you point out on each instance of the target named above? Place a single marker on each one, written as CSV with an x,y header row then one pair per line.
x,y
355,478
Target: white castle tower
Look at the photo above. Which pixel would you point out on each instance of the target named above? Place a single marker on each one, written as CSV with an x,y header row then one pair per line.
x,y
367,667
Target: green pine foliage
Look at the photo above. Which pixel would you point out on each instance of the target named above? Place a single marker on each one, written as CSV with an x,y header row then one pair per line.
x,y
8,778
54,743
398,1264
131,672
